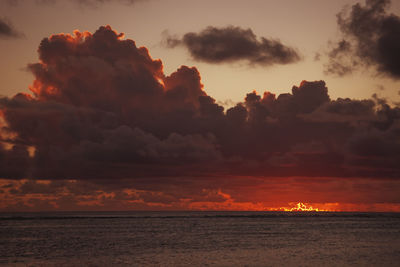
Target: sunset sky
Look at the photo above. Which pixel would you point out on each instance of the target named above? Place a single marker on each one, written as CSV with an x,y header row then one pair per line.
x,y
199,105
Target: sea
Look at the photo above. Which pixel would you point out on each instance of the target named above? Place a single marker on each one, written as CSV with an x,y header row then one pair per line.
x,y
200,239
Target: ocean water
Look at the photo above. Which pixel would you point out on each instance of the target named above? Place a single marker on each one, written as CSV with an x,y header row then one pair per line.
x,y
199,239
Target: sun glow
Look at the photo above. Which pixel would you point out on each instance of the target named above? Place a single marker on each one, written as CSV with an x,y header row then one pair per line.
x,y
161,81
301,207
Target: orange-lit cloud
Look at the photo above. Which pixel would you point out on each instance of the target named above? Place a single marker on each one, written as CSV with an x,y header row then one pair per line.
x,y
277,194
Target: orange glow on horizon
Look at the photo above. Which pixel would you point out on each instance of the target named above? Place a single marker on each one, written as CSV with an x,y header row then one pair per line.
x,y
49,195
302,207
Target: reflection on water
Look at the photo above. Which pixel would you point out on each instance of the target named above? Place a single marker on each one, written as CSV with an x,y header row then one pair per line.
x,y
200,238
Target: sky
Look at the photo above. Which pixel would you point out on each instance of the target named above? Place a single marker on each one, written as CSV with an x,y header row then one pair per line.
x,y
199,105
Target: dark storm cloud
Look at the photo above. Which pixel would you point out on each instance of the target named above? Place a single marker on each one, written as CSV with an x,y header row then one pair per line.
x,y
14,162
102,109
232,44
371,37
7,30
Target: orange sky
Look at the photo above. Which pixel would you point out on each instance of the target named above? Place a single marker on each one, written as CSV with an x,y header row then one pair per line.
x,y
258,194
307,25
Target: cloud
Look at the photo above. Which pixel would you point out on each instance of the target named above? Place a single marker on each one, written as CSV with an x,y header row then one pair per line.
x,y
202,194
14,162
233,44
370,38
7,30
103,114
100,103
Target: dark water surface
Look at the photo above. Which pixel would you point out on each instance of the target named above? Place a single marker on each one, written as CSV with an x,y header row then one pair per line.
x,y
199,239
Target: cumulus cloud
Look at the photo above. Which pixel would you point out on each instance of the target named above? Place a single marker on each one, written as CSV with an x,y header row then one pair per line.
x,y
232,44
14,162
7,30
103,114
370,38
99,102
